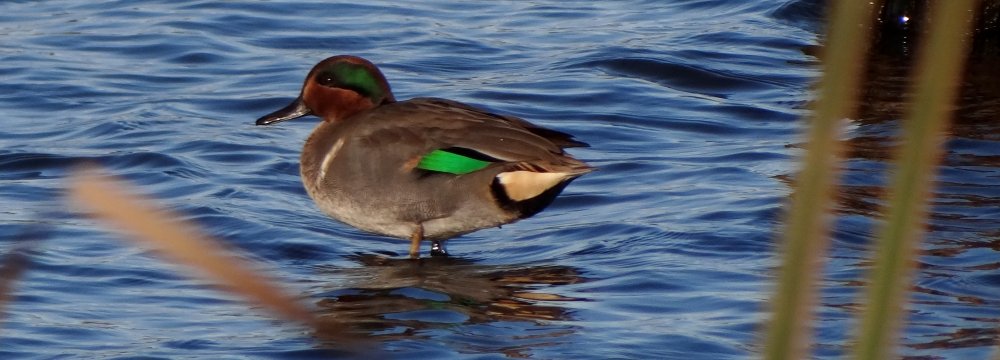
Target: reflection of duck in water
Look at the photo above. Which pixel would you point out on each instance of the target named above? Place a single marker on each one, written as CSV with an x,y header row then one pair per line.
x,y
425,167
397,298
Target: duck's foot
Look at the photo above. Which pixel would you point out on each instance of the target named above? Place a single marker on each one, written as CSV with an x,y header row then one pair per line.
x,y
437,249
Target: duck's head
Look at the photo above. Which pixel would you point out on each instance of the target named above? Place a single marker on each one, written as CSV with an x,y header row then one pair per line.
x,y
335,89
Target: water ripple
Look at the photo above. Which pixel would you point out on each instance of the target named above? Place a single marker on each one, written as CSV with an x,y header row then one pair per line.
x,y
691,109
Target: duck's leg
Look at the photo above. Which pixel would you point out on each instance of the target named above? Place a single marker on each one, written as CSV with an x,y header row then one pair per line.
x,y
415,239
437,248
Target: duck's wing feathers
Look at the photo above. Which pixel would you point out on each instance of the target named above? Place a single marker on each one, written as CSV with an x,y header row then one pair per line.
x,y
443,131
559,138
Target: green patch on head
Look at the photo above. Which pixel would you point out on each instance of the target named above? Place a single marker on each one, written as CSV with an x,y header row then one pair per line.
x,y
353,77
450,162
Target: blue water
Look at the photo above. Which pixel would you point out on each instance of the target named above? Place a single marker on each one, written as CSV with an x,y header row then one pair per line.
x,y
692,109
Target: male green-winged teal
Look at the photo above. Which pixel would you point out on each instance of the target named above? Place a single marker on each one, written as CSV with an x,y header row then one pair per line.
x,y
424,168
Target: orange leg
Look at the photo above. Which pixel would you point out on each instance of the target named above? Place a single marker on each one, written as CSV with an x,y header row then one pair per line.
x,y
415,239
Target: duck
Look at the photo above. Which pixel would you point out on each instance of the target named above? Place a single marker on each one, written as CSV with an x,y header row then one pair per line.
x,y
425,168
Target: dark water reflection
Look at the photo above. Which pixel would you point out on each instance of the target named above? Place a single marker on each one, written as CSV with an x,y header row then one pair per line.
x,y
392,299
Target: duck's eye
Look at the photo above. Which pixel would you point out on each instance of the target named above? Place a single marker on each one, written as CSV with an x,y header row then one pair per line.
x,y
325,79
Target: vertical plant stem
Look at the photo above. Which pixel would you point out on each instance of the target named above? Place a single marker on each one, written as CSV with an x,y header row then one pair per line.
x,y
12,266
805,236
938,75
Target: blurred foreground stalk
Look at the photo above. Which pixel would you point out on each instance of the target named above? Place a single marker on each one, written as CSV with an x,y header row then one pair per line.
x,y
181,242
12,266
938,74
804,239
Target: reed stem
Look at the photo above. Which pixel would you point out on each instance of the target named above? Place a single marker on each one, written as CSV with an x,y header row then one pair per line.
x,y
938,75
805,236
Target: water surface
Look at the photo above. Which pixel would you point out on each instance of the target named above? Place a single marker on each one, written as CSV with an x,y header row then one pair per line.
x,y
691,107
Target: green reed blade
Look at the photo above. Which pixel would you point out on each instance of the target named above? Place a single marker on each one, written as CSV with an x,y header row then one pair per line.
x,y
938,75
804,238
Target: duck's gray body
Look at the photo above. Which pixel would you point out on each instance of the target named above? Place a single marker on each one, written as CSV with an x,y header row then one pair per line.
x,y
363,170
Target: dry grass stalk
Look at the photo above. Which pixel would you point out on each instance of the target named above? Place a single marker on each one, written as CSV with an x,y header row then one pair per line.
x,y
181,242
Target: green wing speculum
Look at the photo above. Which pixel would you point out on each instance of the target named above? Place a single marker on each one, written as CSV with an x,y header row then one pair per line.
x,y
456,161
